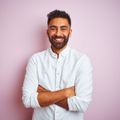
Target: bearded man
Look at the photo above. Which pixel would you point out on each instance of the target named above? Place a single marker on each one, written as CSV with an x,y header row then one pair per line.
x,y
58,81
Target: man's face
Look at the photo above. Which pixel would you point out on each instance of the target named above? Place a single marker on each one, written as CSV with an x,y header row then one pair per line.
x,y
58,32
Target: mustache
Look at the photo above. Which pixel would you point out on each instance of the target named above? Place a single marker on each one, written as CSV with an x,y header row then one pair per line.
x,y
58,37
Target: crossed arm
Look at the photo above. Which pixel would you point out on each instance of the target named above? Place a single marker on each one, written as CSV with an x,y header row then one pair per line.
x,y
46,97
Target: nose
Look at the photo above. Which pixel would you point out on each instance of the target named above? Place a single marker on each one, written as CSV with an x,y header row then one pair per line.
x,y
58,32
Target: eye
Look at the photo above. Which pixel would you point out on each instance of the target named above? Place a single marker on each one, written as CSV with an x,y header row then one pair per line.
x,y
64,28
52,28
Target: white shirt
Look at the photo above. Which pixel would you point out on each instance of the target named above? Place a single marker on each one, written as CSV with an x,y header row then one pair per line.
x,y
70,69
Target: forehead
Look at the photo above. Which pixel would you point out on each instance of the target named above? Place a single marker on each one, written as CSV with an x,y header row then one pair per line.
x,y
59,22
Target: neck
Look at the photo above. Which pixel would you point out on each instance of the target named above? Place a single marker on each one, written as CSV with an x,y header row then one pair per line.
x,y
58,51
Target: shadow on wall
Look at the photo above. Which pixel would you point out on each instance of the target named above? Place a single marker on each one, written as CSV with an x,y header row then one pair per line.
x,y
42,38
42,43
26,113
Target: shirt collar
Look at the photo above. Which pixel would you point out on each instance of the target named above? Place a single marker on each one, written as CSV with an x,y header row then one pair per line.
x,y
63,52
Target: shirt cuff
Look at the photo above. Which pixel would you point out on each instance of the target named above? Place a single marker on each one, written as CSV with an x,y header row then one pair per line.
x,y
71,104
34,100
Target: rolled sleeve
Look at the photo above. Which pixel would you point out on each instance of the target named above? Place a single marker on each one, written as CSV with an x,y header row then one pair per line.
x,y
30,84
83,87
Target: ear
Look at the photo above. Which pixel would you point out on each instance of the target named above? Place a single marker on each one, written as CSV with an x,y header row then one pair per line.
x,y
70,32
47,32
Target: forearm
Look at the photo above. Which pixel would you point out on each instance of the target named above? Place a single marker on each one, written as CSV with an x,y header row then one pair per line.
x,y
46,97
63,104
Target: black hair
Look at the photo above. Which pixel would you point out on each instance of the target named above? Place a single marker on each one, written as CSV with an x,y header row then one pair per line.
x,y
58,14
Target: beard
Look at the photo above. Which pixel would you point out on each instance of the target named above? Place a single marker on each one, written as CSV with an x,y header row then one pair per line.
x,y
58,42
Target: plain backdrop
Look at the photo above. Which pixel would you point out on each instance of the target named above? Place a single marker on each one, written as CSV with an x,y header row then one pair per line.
x,y
96,32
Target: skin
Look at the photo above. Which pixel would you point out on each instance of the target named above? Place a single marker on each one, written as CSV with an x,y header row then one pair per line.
x,y
46,97
58,32
59,28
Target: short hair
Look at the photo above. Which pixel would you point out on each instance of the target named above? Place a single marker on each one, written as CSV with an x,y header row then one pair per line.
x,y
58,14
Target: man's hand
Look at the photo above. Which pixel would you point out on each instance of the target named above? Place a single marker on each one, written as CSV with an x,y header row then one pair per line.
x,y
69,92
41,89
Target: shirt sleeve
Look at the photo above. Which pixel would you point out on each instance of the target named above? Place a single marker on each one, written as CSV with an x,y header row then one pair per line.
x,y
30,84
83,87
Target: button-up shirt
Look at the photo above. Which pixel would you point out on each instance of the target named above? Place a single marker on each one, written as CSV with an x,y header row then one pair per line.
x,y
70,69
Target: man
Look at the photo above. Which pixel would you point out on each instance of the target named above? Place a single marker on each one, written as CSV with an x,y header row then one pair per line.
x,y
58,81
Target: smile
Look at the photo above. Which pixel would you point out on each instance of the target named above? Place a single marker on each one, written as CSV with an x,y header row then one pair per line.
x,y
58,39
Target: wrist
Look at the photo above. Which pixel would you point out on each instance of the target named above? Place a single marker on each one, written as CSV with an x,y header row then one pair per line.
x,y
69,92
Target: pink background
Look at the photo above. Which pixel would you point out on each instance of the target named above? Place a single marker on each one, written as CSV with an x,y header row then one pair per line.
x,y
96,32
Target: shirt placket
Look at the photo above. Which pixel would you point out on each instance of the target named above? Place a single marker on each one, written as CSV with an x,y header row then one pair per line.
x,y
57,74
57,82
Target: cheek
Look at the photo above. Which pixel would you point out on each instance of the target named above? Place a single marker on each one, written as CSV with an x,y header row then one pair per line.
x,y
50,34
67,34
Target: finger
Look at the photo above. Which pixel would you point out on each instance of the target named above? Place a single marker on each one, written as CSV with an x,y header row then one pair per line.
x,y
41,89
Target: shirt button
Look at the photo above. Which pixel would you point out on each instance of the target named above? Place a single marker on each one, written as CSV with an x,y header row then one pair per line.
x,y
58,73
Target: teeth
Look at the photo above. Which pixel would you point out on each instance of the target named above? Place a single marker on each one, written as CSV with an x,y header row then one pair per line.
x,y
59,39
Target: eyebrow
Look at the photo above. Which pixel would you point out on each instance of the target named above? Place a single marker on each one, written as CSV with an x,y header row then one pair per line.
x,y
62,26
